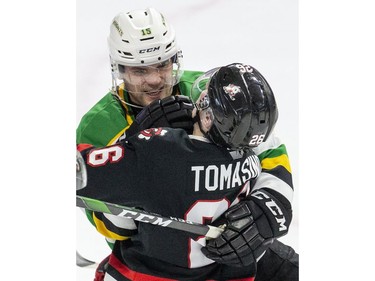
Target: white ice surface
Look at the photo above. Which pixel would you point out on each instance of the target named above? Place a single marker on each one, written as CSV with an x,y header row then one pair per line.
x,y
262,33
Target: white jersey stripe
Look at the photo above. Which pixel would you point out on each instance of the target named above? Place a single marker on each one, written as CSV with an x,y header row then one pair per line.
x,y
274,183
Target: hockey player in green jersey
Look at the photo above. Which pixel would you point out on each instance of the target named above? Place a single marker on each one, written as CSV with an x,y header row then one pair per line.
x,y
216,171
147,66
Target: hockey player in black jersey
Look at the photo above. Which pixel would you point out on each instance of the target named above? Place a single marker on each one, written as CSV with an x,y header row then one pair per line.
x,y
207,177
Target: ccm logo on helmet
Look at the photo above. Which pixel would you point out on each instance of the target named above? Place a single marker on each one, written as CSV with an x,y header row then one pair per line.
x,y
149,50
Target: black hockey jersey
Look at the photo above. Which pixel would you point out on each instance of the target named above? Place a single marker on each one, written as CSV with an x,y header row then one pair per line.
x,y
165,171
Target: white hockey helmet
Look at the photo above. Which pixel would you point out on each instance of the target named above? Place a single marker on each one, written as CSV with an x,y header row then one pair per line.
x,y
141,38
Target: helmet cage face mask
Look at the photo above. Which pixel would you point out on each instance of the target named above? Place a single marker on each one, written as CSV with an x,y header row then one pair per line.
x,y
147,79
201,84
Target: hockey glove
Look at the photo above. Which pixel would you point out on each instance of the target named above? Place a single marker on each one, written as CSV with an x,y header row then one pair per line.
x,y
172,111
251,228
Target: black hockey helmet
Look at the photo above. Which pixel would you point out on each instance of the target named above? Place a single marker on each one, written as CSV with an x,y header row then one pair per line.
x,y
242,104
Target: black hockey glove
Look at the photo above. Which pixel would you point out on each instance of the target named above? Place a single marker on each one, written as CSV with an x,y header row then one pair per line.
x,y
251,228
172,111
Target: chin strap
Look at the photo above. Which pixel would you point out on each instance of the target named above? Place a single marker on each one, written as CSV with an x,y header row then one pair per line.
x,y
122,100
196,119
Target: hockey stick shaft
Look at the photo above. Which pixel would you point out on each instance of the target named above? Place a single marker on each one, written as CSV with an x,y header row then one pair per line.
x,y
146,217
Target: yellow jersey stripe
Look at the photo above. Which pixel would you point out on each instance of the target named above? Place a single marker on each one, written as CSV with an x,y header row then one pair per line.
x,y
127,116
112,141
100,226
270,163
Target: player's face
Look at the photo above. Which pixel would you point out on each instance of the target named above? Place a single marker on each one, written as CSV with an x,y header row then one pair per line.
x,y
148,83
